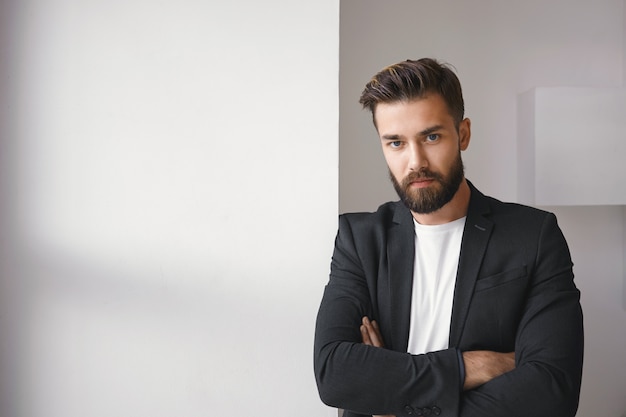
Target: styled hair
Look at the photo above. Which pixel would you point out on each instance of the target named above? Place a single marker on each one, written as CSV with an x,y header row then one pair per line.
x,y
410,80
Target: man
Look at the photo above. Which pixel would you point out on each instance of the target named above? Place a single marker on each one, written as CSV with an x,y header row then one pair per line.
x,y
448,303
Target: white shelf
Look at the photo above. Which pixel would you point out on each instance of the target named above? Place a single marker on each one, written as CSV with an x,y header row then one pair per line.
x,y
572,146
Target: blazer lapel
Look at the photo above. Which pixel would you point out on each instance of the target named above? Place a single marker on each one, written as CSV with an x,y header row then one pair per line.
x,y
474,244
400,255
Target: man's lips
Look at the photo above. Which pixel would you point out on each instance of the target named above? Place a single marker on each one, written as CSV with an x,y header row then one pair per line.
x,y
421,182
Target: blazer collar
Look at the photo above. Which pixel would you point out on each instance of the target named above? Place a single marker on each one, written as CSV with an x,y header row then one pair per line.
x,y
401,255
476,236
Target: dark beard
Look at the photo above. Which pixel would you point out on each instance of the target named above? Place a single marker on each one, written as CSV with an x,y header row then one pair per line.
x,y
430,199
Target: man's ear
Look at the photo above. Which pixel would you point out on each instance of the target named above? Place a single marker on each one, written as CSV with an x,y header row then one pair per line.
x,y
465,133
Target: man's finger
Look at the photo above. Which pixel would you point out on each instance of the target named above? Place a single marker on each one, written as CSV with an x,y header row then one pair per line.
x,y
365,336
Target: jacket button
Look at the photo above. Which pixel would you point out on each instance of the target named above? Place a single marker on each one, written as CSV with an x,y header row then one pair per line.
x,y
426,411
409,410
419,412
436,410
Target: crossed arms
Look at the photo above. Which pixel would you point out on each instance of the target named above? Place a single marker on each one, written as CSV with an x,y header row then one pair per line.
x,y
481,366
356,372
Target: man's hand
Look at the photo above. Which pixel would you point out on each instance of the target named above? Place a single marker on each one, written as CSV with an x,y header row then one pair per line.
x,y
482,366
370,333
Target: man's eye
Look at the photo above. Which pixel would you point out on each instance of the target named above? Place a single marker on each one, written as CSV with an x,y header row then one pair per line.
x,y
395,144
432,137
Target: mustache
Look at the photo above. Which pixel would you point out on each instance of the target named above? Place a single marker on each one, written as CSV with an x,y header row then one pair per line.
x,y
422,174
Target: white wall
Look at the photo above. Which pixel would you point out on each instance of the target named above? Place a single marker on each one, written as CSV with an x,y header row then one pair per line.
x,y
168,200
501,49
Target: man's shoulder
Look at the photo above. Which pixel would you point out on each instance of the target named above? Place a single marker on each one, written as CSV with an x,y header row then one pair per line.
x,y
495,207
370,230
385,217
514,220
385,213
508,206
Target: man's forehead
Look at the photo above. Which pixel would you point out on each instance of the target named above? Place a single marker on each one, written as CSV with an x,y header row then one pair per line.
x,y
419,109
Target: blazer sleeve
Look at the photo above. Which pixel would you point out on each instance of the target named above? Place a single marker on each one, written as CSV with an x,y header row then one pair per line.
x,y
366,379
548,346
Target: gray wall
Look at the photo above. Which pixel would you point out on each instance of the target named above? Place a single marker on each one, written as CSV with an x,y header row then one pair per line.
x,y
501,49
168,202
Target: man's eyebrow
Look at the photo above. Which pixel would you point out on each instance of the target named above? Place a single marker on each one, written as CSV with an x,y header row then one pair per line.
x,y
430,130
391,137
425,132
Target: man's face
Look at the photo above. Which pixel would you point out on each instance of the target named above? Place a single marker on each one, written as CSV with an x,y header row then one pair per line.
x,y
422,147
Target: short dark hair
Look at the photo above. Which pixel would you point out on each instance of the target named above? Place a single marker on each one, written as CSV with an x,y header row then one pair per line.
x,y
410,80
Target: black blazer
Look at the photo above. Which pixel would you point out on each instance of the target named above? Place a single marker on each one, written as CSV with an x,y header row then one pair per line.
x,y
514,292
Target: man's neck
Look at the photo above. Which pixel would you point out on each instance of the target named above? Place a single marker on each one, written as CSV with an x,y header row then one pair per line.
x,y
453,210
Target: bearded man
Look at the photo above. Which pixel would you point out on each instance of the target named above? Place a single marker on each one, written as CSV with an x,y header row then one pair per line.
x,y
447,303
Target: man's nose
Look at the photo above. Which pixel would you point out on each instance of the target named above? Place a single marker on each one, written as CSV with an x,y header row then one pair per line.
x,y
417,158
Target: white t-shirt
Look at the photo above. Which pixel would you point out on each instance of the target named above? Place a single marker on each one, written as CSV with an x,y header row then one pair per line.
x,y
437,250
